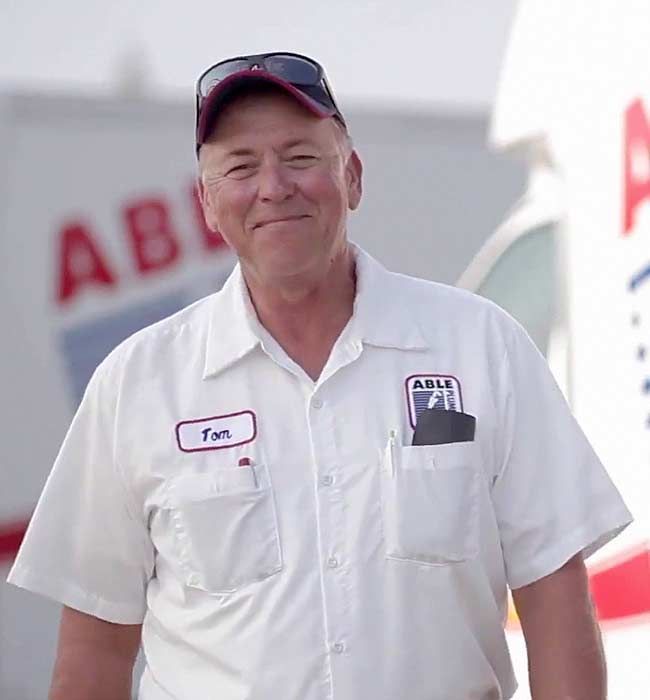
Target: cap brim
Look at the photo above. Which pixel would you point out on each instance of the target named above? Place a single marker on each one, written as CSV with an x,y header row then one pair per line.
x,y
224,90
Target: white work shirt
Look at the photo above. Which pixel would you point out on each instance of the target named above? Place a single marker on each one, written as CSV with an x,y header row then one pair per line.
x,y
340,563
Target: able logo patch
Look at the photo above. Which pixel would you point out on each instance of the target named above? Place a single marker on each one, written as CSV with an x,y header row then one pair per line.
x,y
438,391
217,432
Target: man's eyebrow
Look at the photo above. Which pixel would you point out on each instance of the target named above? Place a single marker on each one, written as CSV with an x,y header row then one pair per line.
x,y
243,151
240,152
297,142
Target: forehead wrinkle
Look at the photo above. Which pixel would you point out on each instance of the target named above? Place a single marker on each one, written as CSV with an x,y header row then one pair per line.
x,y
286,145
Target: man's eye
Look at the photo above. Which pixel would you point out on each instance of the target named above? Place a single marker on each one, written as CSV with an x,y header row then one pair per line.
x,y
303,159
242,168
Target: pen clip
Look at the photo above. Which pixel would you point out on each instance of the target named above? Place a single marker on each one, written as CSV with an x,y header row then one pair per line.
x,y
391,451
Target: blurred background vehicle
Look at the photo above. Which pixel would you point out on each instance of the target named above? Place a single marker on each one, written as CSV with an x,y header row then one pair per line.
x,y
571,262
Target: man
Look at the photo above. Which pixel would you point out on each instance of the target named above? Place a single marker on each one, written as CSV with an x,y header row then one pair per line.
x,y
239,488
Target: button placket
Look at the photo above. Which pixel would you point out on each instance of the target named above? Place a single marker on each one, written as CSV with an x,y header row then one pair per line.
x,y
331,511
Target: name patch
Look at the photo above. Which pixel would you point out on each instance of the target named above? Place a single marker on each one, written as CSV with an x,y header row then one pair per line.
x,y
438,391
217,432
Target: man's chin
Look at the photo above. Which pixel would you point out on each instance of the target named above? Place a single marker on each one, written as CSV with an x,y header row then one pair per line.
x,y
283,267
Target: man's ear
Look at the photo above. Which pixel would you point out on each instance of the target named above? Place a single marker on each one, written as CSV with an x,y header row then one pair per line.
x,y
207,205
354,173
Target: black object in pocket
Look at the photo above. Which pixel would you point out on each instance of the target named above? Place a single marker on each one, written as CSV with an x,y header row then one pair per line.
x,y
437,427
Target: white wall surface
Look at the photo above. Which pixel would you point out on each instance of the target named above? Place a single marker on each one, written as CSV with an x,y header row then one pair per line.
x,y
423,51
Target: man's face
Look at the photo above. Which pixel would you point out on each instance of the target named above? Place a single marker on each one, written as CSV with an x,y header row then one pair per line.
x,y
277,183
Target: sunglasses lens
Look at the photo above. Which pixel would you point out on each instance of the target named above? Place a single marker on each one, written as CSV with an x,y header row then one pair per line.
x,y
300,71
293,69
218,73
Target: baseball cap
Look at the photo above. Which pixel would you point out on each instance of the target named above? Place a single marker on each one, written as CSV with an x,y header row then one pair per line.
x,y
300,76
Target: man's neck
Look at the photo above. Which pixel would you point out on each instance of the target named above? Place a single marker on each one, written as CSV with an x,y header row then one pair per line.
x,y
307,316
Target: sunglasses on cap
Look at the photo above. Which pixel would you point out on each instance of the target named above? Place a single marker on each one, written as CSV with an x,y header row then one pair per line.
x,y
300,76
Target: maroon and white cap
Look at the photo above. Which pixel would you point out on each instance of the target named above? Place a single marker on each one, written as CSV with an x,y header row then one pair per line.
x,y
313,97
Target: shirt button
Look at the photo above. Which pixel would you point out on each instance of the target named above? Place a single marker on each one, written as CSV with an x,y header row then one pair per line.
x,y
338,647
332,562
327,480
317,403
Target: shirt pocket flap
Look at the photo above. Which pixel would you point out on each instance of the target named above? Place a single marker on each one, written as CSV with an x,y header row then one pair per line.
x,y
193,487
453,455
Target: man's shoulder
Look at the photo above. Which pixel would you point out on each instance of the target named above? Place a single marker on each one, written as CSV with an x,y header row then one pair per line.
x,y
444,299
465,317
173,334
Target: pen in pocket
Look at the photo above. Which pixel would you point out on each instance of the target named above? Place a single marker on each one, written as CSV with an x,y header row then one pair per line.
x,y
391,451
248,462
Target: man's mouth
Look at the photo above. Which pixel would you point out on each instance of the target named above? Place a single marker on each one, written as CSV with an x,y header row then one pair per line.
x,y
281,220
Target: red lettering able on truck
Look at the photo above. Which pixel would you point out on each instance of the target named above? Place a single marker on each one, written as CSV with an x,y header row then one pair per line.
x,y
81,262
637,151
153,242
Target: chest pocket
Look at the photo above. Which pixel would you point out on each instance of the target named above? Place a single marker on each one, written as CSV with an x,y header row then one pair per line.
x,y
225,527
430,503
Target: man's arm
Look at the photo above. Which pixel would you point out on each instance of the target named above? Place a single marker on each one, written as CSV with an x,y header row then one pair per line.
x,y
565,653
94,659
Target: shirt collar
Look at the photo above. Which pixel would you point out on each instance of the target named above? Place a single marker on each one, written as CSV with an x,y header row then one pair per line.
x,y
381,316
382,313
231,332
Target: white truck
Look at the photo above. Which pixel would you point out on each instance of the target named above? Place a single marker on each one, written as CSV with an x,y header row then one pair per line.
x,y
100,234
572,262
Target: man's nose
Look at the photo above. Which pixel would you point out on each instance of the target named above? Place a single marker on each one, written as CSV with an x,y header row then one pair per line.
x,y
275,183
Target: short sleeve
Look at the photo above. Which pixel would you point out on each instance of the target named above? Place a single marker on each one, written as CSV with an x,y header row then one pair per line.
x,y
552,496
84,547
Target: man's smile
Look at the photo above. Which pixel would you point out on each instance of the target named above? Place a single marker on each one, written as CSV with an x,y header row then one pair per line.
x,y
280,220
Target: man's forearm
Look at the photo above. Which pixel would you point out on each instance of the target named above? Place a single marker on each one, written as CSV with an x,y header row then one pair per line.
x,y
565,652
80,678
571,667
94,658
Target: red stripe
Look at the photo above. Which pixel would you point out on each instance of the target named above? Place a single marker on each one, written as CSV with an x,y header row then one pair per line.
x,y
11,535
623,589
